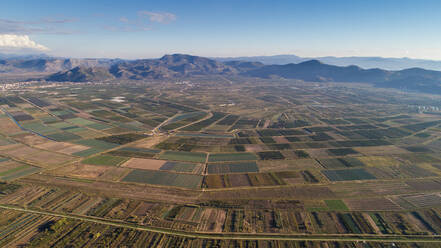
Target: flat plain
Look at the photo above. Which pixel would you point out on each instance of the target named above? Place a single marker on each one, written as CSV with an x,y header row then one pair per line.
x,y
264,163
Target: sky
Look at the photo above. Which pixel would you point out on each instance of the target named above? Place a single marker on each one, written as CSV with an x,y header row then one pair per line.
x,y
133,29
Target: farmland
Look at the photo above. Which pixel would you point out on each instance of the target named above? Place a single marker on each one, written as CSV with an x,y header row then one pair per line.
x,y
268,164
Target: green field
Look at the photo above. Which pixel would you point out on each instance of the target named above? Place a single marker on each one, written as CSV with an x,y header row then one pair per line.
x,y
178,167
19,171
88,152
81,121
96,144
164,178
39,128
63,136
99,126
220,157
223,168
348,174
336,205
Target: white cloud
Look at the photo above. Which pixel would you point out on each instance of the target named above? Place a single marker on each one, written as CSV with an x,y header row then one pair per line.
x,y
40,26
12,41
159,17
123,19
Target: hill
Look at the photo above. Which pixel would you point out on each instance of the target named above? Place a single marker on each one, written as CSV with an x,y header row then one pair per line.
x,y
82,74
29,64
169,66
394,64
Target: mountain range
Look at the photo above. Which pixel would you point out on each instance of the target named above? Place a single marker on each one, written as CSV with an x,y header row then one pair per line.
x,y
45,64
183,66
393,64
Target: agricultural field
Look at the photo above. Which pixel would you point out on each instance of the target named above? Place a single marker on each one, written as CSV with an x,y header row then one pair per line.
x,y
221,157
258,164
225,168
184,156
164,178
104,160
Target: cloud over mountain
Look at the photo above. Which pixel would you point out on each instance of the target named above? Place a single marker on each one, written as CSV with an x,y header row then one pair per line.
x,y
159,17
13,41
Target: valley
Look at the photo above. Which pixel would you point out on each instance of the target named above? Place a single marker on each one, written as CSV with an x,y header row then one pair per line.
x,y
228,161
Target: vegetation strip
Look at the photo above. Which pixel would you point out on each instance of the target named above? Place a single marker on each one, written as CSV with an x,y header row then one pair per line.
x,y
235,236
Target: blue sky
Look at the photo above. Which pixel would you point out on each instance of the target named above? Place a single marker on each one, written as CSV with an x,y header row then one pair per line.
x,y
146,29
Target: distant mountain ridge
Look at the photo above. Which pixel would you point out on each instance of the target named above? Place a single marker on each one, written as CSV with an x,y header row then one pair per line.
x,y
169,66
415,79
178,66
82,74
42,64
182,65
363,62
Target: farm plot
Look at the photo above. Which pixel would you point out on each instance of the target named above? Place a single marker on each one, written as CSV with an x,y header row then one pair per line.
x,y
337,163
38,127
270,155
72,148
62,125
295,177
196,157
371,204
205,123
228,121
87,152
419,158
38,102
82,170
380,150
4,142
145,164
348,174
425,185
81,121
40,157
342,151
122,139
21,116
181,167
360,143
212,219
224,168
221,157
245,124
135,152
98,144
417,149
30,139
255,148
11,170
242,180
183,119
205,135
379,161
105,160
402,171
288,165
99,126
336,205
85,133
7,126
164,178
63,136
424,200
